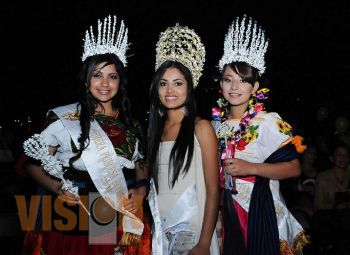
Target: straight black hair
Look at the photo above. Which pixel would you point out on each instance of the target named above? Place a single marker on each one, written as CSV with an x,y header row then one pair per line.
x,y
157,116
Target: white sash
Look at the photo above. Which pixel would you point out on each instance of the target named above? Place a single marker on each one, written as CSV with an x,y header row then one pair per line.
x,y
184,208
288,227
103,164
195,192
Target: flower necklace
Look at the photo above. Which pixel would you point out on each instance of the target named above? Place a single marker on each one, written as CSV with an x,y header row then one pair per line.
x,y
228,138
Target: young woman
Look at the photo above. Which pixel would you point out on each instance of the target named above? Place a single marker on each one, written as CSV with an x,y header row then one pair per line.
x,y
182,151
256,152
96,143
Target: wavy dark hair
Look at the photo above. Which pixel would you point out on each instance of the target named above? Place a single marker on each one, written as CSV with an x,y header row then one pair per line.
x,y
247,72
88,102
157,116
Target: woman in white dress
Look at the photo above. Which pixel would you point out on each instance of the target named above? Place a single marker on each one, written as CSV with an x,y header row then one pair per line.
x,y
184,197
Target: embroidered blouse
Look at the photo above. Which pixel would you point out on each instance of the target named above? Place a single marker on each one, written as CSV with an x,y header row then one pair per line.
x,y
124,140
265,133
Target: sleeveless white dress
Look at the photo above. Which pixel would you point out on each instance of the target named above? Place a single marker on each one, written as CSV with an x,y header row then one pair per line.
x,y
181,208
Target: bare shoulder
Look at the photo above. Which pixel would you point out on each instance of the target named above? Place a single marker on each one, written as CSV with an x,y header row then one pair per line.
x,y
204,129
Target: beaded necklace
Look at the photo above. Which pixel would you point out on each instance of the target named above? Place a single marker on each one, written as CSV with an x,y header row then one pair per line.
x,y
228,138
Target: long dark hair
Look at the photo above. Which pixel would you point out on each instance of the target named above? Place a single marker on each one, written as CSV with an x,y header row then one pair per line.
x,y
88,103
157,116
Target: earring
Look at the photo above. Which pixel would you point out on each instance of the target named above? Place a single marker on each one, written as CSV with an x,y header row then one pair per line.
x,y
160,112
185,111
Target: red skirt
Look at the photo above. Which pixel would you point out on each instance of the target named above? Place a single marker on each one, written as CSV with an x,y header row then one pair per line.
x,y
61,243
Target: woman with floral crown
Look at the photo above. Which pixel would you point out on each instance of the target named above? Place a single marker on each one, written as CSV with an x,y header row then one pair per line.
x,y
182,154
95,146
256,152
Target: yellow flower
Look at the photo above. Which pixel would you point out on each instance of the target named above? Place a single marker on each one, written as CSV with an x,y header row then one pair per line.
x,y
283,126
255,135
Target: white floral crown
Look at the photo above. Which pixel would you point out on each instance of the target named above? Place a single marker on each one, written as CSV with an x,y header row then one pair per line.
x,y
244,43
107,40
183,45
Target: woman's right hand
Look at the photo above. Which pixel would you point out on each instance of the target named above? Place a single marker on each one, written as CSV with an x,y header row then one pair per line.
x,y
239,167
68,197
64,195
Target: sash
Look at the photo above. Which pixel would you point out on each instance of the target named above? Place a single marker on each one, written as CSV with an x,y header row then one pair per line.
x,y
103,165
184,208
269,219
191,201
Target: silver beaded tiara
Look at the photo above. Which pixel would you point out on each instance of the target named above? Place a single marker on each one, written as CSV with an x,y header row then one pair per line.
x,y
107,40
244,43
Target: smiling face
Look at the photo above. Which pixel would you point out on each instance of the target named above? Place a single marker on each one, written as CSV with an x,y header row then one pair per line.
x,y
172,89
104,83
235,90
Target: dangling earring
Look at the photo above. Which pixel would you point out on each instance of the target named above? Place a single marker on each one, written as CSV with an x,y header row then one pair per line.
x,y
185,111
160,112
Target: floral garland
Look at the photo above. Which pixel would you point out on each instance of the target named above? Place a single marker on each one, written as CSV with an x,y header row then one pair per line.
x,y
228,138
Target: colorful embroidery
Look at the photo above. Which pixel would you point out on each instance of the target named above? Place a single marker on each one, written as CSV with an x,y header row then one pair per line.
x,y
123,140
284,127
230,140
250,134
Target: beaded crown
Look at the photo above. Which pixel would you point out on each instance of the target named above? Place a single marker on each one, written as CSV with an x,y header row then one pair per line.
x,y
183,45
108,40
245,42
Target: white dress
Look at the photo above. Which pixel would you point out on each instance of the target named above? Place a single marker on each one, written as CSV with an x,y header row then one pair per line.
x,y
181,208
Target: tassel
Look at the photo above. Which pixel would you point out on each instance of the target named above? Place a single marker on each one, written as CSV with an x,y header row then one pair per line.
x,y
285,249
130,239
300,241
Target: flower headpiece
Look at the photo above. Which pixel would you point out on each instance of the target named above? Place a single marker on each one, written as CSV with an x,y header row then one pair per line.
x,y
244,43
108,40
183,45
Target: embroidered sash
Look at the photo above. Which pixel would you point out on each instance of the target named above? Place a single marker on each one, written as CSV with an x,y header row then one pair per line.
x,y
103,164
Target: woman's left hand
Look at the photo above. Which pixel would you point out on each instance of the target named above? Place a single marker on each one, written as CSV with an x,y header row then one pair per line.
x,y
134,202
129,202
199,250
238,167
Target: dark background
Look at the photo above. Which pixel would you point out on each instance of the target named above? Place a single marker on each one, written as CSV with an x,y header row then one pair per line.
x,y
41,46
307,59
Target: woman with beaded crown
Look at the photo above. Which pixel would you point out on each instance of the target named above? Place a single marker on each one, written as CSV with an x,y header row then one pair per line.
x,y
95,146
184,195
256,151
